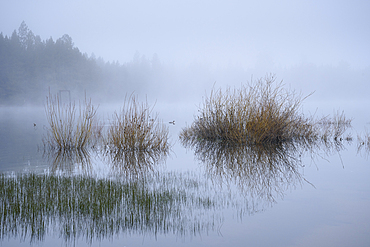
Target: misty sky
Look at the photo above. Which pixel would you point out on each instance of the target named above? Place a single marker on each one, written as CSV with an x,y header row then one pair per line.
x,y
218,33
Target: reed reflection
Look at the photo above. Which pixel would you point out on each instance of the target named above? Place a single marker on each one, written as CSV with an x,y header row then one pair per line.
x,y
134,163
128,163
363,144
68,161
261,172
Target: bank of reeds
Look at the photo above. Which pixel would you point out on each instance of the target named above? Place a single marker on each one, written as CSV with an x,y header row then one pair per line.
x,y
69,127
262,112
134,128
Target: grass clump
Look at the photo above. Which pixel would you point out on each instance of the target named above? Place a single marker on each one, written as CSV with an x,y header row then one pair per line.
x,y
258,113
134,129
69,128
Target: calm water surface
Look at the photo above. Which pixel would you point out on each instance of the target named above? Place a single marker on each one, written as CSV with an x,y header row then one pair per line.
x,y
323,201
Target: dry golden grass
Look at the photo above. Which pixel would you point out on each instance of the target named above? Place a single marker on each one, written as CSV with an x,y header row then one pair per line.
x,y
258,113
67,129
133,128
135,140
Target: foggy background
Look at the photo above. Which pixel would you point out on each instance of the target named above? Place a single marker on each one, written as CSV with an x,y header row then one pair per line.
x,y
182,48
173,52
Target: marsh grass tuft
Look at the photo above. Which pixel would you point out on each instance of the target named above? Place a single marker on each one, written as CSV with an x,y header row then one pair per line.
x,y
135,129
134,141
67,129
262,112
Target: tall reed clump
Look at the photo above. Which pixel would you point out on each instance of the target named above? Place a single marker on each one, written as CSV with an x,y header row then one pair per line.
x,y
69,127
134,129
258,113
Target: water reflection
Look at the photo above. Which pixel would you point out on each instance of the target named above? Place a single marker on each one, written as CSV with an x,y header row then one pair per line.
x,y
32,206
68,161
363,144
261,172
129,163
134,199
134,163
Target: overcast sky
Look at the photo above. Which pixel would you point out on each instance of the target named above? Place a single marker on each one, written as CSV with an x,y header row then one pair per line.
x,y
220,33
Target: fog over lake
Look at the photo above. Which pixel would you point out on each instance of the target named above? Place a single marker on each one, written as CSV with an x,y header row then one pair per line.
x,y
180,49
233,33
172,55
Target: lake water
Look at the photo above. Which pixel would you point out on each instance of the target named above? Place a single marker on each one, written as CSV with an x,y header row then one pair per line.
x,y
322,200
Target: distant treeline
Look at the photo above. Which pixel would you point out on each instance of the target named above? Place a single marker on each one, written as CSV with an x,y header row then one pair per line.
x,y
30,67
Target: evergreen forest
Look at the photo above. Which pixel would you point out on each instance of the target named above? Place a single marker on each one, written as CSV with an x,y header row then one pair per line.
x,y
31,67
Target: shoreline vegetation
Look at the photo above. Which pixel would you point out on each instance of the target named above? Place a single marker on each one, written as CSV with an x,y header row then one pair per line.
x,y
135,128
131,129
262,112
134,141
260,117
67,129
253,137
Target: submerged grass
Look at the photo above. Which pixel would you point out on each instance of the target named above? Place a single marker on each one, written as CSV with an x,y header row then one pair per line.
x,y
67,129
32,206
364,142
261,112
334,127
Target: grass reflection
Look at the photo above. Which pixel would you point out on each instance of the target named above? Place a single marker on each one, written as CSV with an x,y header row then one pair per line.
x,y
32,206
261,172
255,135
128,163
67,161
363,145
134,163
